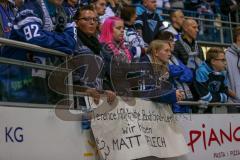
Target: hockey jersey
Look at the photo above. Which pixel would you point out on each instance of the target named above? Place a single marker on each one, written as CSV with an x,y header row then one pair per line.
x,y
210,85
39,23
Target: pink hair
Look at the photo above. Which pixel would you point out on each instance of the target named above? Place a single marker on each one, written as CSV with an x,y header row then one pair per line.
x,y
106,36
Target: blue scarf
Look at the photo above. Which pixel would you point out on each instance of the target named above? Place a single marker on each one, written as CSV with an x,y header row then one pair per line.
x,y
7,17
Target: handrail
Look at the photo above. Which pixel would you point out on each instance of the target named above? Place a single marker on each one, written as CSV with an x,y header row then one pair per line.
x,y
199,103
31,47
47,106
206,43
192,12
36,48
32,65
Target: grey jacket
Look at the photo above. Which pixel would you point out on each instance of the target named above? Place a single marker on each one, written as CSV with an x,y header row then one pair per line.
x,y
233,57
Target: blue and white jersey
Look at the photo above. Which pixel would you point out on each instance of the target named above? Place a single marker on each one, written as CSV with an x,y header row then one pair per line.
x,y
34,24
41,24
211,85
134,42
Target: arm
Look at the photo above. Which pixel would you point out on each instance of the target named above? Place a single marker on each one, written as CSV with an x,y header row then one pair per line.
x,y
187,75
29,27
202,87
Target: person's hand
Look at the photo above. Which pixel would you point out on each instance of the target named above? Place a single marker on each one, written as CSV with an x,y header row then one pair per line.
x,y
231,93
179,95
111,96
92,92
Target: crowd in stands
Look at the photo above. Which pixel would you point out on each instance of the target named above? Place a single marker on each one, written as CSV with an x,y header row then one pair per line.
x,y
133,31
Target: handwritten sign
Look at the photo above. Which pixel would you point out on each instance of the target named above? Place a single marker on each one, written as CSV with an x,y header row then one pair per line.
x,y
143,130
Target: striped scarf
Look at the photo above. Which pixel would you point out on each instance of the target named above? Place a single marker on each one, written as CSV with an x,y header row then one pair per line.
x,y
120,49
193,60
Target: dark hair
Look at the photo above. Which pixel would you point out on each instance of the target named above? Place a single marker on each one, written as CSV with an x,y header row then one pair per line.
x,y
213,53
236,33
81,9
127,12
172,13
164,36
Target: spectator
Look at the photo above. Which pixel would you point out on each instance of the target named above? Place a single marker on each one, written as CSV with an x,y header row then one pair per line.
x,y
87,43
179,74
51,30
159,53
187,49
232,55
149,23
177,18
113,9
100,6
189,52
211,84
71,7
132,38
112,41
115,6
6,18
86,22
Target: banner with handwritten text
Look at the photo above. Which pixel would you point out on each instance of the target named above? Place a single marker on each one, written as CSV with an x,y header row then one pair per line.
x,y
140,130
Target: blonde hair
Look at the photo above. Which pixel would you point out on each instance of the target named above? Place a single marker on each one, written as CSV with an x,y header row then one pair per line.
x,y
159,67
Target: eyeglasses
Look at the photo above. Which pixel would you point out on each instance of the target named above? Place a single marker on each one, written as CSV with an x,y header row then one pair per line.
x,y
88,19
222,60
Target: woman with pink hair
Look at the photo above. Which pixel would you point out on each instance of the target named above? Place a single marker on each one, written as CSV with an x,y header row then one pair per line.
x,y
111,37
112,41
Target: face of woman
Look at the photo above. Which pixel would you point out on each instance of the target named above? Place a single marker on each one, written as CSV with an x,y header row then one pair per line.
x,y
164,54
118,31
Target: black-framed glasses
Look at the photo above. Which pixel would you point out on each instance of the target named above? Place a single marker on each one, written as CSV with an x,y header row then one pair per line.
x,y
88,19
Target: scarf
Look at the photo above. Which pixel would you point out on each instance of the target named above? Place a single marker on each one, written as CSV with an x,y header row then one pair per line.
x,y
7,18
48,24
54,18
120,50
91,42
181,85
193,60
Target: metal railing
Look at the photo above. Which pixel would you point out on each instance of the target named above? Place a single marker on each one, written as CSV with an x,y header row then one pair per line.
x,y
53,68
212,35
38,49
